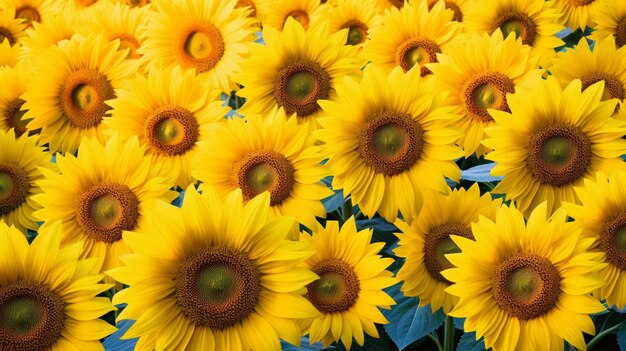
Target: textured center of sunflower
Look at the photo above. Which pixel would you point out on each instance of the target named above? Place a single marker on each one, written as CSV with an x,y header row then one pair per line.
x,y
458,15
581,2
14,187
264,171
613,241
526,286
397,3
558,155
28,13
299,15
437,244
13,116
202,47
31,317
218,287
299,85
519,23
357,32
83,96
417,51
613,88
391,142
486,91
249,4
105,210
129,42
337,289
620,32
171,130
6,34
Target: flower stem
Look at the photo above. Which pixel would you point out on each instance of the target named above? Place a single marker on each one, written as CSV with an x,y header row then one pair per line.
x,y
448,336
436,341
593,342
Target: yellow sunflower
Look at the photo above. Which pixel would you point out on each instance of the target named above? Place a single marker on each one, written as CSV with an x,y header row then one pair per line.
x,y
546,148
13,85
306,12
388,138
611,21
412,36
605,63
11,28
358,16
225,281
30,11
118,21
384,5
266,153
170,111
21,165
296,68
135,3
577,13
424,243
105,190
57,27
602,216
349,291
48,295
458,6
254,8
66,97
525,286
209,37
476,74
9,55
535,21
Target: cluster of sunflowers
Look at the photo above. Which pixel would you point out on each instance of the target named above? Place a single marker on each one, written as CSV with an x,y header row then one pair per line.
x,y
267,174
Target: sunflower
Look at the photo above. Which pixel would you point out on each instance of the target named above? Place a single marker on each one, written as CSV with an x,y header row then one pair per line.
x,y
11,28
602,216
305,12
384,5
272,153
12,86
535,21
9,55
118,21
253,6
82,7
48,296
388,138
477,77
458,6
605,63
296,68
66,97
21,165
525,286
135,3
30,11
349,291
578,13
412,36
424,242
105,190
358,16
611,21
546,148
57,27
228,281
209,37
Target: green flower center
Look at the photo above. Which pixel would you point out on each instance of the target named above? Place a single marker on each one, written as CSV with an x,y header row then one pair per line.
x,y
437,244
171,130
299,85
260,178
264,171
484,91
83,95
7,186
105,210
519,23
337,289
526,286
14,186
215,283
357,33
557,151
417,51
20,315
613,241
201,47
389,139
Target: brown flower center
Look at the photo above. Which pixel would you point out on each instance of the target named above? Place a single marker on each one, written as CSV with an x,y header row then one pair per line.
x,y
83,96
337,289
300,16
105,210
29,14
129,42
580,2
484,91
171,130
357,32
249,4
14,187
31,317
218,287
620,33
519,23
613,241
397,3
13,116
6,34
613,87
299,85
450,5
201,47
417,51
391,142
558,155
438,243
264,171
526,286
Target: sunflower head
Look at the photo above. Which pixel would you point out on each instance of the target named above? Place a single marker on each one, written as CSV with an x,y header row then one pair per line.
x,y
305,12
578,13
355,16
11,28
611,21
